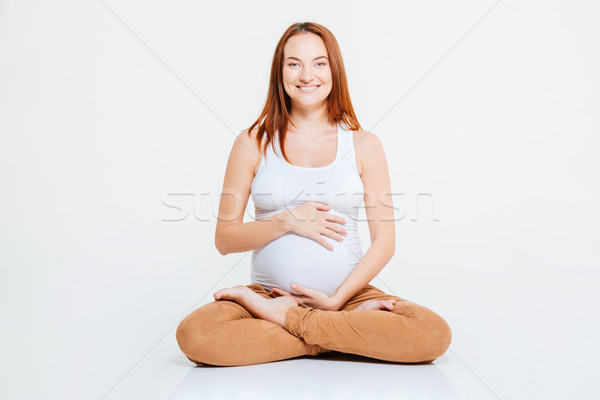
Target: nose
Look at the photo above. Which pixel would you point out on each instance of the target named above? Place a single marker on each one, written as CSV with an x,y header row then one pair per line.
x,y
306,75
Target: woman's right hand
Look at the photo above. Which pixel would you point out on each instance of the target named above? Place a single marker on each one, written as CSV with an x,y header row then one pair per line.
x,y
309,221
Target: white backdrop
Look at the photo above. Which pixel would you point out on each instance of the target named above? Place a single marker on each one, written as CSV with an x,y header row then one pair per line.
x,y
116,121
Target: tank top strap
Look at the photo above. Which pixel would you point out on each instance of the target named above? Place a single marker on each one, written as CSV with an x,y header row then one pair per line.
x,y
271,157
345,144
346,147
276,154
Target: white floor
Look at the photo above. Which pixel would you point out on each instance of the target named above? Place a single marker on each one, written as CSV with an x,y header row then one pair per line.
x,y
516,347
492,366
335,376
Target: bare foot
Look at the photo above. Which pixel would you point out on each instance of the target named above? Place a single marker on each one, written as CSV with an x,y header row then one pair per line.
x,y
377,305
272,310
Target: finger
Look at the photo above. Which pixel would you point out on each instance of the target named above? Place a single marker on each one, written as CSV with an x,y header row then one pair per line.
x,y
301,300
321,206
297,288
280,292
301,289
332,234
336,228
334,218
321,240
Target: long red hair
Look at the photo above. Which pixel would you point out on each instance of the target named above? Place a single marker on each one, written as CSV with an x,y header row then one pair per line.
x,y
275,115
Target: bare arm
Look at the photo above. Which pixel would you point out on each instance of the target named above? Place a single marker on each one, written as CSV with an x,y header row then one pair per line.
x,y
232,235
380,216
240,237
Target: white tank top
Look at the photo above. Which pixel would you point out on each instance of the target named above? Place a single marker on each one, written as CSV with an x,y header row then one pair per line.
x,y
291,258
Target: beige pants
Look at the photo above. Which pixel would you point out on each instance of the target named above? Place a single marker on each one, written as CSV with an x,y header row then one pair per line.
x,y
225,333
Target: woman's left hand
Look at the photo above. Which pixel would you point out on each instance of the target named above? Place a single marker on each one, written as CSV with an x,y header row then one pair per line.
x,y
309,298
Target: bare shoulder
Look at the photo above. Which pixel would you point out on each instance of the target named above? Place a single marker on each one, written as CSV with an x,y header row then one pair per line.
x,y
368,148
248,138
245,148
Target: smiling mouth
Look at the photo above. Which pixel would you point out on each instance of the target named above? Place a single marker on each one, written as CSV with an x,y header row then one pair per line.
x,y
308,88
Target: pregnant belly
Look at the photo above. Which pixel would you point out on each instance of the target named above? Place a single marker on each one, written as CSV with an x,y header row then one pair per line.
x,y
293,258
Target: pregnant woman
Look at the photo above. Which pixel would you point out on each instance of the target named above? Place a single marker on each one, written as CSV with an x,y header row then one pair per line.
x,y
308,166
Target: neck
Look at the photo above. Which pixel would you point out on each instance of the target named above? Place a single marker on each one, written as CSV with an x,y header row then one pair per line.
x,y
305,120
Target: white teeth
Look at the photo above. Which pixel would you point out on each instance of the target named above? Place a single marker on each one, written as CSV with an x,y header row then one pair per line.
x,y
307,87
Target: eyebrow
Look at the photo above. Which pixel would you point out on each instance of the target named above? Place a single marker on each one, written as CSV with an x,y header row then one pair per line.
x,y
316,58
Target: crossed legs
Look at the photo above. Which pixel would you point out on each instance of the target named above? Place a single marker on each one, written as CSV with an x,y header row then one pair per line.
x,y
249,326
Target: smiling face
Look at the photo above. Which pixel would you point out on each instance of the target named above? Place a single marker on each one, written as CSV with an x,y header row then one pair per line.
x,y
306,71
